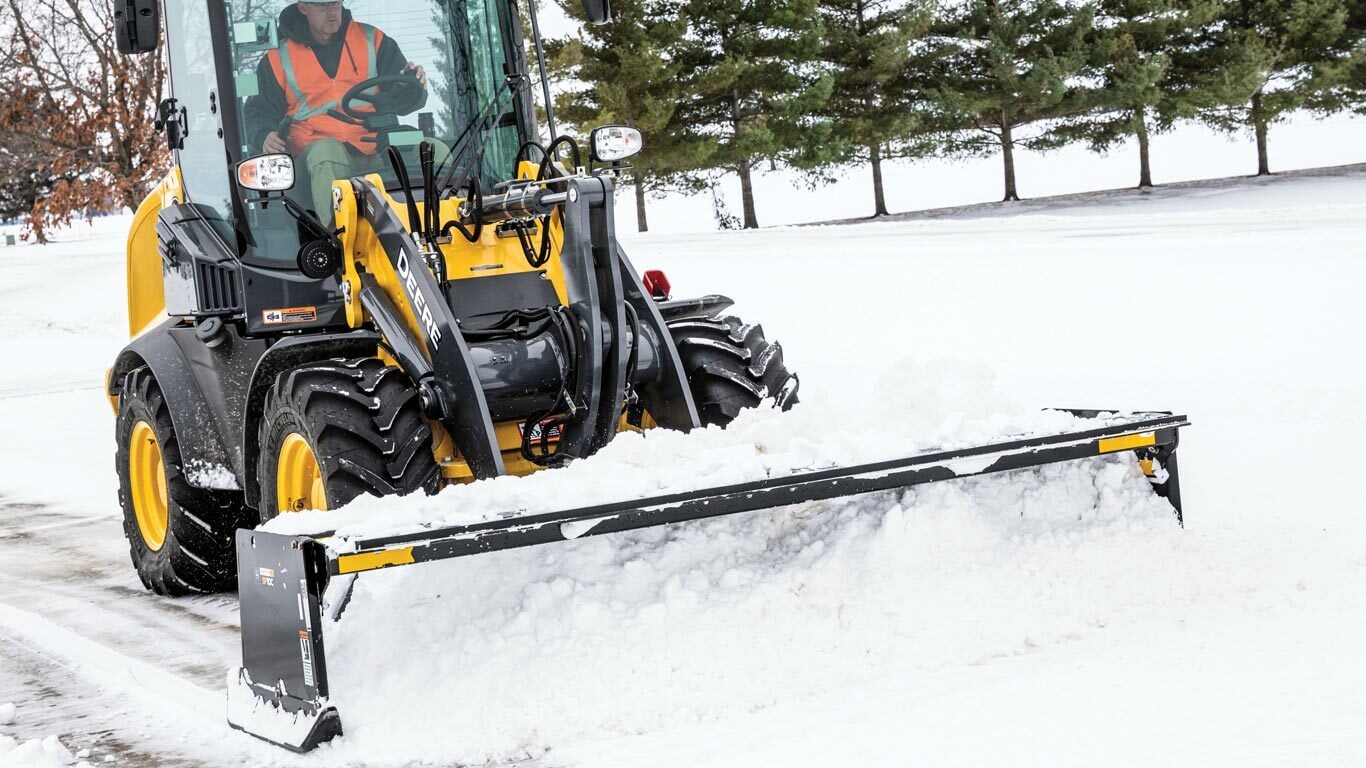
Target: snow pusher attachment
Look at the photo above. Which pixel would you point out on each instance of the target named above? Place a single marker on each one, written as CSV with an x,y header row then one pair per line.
x,y
281,691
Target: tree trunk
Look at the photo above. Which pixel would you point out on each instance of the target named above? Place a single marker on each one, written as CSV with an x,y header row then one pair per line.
x,y
1008,155
1259,127
36,229
745,164
879,200
642,225
747,194
1145,170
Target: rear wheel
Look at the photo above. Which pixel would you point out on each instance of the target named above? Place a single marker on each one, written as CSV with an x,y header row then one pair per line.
x,y
180,537
335,430
730,366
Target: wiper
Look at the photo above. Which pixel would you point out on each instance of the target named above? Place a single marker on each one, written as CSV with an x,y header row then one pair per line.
x,y
510,83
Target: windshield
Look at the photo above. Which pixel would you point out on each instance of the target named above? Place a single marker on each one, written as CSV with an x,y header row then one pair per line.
x,y
433,68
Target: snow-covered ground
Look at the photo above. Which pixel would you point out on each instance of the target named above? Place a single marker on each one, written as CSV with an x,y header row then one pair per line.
x,y
1052,617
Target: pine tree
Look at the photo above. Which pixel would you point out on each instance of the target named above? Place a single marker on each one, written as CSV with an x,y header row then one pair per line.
x,y
1287,52
630,79
1000,74
867,46
1340,84
1354,70
1137,91
751,84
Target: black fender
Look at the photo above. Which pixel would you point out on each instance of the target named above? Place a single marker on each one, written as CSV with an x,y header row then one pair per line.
x,y
175,357
216,394
284,354
704,306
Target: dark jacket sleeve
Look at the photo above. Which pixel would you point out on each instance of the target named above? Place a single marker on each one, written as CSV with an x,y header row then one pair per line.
x,y
389,60
265,110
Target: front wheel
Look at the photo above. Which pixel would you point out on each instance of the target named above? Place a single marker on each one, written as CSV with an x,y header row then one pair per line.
x,y
335,430
180,537
730,366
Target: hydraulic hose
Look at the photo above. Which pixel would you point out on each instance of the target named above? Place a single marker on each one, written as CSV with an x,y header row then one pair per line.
x,y
401,172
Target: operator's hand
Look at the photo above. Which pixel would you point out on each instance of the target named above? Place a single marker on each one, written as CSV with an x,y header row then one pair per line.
x,y
416,69
273,143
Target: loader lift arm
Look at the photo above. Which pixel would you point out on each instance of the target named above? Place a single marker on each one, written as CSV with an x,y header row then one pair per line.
x,y
281,692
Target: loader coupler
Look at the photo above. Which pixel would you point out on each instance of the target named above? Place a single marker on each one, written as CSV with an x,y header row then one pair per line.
x,y
280,694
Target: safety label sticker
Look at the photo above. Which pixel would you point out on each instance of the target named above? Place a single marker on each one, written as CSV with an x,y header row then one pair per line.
x,y
289,315
538,431
307,657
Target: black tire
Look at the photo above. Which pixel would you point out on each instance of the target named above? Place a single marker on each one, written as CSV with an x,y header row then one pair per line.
x,y
730,366
361,419
197,554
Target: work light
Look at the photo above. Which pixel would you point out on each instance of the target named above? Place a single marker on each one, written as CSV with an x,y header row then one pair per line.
x,y
613,143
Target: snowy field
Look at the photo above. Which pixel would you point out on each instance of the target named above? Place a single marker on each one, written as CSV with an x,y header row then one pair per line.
x,y
1050,617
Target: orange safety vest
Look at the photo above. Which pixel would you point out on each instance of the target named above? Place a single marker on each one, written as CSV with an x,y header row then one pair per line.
x,y
310,93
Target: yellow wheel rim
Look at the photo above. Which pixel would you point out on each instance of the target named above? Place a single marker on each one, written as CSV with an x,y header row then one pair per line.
x,y
298,478
147,474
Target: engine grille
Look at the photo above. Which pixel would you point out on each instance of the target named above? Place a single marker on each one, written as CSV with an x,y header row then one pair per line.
x,y
217,289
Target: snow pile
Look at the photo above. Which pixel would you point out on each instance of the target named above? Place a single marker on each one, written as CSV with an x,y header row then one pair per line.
x,y
516,653
47,752
498,656
917,407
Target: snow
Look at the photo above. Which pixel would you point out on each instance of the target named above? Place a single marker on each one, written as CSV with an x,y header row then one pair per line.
x,y
7,713
761,443
203,474
702,623
248,711
1057,616
48,752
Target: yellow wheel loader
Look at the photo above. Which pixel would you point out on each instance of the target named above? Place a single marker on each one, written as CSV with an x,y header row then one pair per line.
x,y
365,275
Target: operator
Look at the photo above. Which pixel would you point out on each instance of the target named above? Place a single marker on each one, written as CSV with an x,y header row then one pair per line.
x,y
297,108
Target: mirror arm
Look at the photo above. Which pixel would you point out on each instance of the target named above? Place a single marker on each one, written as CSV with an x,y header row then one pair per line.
x,y
172,119
312,222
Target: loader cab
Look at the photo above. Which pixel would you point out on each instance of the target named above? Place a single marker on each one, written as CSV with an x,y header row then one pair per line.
x,y
217,54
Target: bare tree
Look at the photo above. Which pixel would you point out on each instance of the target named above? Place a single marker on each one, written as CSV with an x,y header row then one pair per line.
x,y
83,110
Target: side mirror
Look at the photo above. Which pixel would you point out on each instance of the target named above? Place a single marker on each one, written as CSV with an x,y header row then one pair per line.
x,y
597,11
266,173
137,25
614,143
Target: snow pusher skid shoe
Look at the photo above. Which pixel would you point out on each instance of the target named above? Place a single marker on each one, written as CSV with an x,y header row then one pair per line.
x,y
281,691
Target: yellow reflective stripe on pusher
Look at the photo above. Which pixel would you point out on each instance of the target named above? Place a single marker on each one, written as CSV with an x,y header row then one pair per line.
x,y
1127,442
369,561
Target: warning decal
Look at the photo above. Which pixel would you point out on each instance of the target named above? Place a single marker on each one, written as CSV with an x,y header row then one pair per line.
x,y
538,430
289,315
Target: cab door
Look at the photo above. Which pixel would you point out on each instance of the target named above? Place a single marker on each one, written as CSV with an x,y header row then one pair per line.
x,y
203,156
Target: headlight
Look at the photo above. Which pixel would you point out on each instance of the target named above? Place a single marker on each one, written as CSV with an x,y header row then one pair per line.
x,y
612,143
267,173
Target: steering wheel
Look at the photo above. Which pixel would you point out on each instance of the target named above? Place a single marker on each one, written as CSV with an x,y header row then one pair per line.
x,y
404,94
